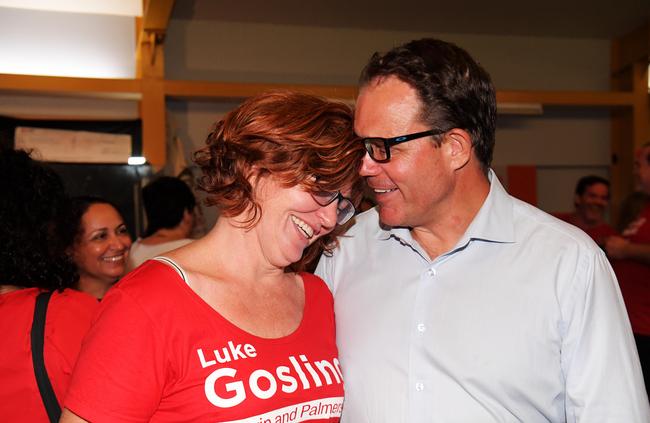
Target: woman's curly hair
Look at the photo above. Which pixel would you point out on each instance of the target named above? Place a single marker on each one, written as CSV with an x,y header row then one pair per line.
x,y
299,139
31,255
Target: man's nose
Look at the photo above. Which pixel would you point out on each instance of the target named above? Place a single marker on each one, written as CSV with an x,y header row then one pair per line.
x,y
369,167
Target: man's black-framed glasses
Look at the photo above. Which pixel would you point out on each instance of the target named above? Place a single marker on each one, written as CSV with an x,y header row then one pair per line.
x,y
379,148
344,207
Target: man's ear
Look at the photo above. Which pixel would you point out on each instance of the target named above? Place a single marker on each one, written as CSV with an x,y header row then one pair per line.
x,y
459,146
187,222
188,217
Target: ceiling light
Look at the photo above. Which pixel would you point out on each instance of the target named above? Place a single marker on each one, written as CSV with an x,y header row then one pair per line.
x,y
136,160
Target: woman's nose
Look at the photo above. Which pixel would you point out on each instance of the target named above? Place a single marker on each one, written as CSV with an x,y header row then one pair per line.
x,y
118,243
328,214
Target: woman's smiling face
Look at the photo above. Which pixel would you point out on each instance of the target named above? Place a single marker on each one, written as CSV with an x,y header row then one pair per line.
x,y
103,246
290,221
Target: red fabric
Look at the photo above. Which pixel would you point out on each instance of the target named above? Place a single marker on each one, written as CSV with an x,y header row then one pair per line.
x,y
151,356
68,318
522,183
634,277
598,233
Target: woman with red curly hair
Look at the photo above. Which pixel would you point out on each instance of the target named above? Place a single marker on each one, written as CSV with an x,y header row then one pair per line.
x,y
223,330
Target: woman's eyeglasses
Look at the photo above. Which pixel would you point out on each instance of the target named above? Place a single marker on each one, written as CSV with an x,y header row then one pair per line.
x,y
344,207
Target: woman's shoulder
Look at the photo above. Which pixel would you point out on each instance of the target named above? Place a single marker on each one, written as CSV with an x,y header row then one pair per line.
x,y
70,314
15,294
67,298
71,296
151,272
314,283
310,278
151,283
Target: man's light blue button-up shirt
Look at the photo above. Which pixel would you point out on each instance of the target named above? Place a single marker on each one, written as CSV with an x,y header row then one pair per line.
x,y
522,321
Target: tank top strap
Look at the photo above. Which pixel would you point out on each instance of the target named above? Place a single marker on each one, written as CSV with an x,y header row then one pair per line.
x,y
171,263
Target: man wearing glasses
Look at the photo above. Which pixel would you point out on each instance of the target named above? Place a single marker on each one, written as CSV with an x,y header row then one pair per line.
x,y
456,302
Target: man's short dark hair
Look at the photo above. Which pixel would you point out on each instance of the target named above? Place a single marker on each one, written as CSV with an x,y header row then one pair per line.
x,y
587,181
455,91
165,200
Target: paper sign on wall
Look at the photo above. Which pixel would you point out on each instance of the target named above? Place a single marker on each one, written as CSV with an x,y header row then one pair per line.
x,y
56,145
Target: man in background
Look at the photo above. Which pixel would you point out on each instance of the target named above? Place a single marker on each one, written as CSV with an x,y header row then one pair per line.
x,y
630,254
169,206
454,301
591,201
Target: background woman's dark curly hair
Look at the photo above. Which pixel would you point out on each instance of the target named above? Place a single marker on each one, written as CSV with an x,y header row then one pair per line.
x,y
32,196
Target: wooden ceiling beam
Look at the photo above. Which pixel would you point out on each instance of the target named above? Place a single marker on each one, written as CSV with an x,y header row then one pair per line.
x,y
128,89
151,30
156,15
216,90
630,127
568,98
150,64
132,88
630,49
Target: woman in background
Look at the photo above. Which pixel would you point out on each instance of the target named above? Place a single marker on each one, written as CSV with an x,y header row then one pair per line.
x,y
33,261
98,243
220,330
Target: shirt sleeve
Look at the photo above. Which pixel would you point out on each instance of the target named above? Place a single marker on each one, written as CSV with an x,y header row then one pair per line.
x,y
121,368
604,382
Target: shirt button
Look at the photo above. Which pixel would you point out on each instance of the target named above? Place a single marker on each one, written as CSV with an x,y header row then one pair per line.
x,y
431,272
421,327
419,386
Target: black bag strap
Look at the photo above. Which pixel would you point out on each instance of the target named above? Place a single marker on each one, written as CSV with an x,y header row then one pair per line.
x,y
38,336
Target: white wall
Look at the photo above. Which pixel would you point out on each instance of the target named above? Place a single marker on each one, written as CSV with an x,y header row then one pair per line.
x,y
556,184
192,122
243,52
564,142
36,42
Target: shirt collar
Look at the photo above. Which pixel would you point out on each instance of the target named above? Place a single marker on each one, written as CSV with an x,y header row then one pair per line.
x,y
494,220
492,223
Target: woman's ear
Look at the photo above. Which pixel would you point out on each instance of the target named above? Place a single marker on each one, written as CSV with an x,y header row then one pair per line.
x,y
258,182
257,177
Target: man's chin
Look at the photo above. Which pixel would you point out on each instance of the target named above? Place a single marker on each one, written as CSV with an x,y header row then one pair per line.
x,y
390,217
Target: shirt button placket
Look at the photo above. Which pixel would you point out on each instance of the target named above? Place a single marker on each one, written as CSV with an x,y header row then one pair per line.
x,y
419,376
